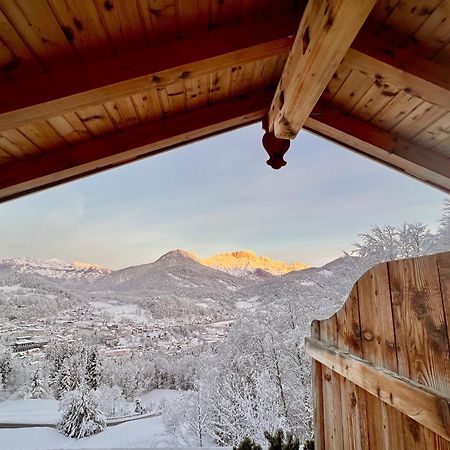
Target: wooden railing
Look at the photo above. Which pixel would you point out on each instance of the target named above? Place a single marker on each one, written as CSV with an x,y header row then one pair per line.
x,y
382,363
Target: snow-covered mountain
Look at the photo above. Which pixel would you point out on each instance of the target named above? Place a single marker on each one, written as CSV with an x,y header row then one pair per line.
x,y
176,270
25,295
179,283
245,263
330,283
54,269
175,284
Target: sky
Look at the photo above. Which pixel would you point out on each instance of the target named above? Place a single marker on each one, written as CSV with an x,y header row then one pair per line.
x,y
218,195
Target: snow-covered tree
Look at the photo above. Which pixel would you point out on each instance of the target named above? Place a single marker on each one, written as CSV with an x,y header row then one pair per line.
x,y
278,441
138,408
93,369
443,234
247,444
65,382
111,401
187,418
5,366
81,416
37,386
388,243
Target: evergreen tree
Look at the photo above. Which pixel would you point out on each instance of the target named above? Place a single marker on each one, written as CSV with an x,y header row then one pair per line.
x,y
247,444
93,370
277,441
139,409
65,381
5,366
36,388
81,415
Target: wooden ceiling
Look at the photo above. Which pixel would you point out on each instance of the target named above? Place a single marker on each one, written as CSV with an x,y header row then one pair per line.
x,y
87,85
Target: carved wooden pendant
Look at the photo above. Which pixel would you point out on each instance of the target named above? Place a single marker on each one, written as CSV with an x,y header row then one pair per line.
x,y
275,147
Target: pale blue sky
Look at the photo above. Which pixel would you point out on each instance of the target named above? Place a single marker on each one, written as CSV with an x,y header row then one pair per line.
x,y
218,195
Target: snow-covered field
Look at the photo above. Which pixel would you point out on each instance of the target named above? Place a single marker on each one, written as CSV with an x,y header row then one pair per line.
x,y
116,313
47,411
29,411
142,433
145,433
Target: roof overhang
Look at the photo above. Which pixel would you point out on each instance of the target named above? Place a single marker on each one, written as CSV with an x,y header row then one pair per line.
x,y
86,87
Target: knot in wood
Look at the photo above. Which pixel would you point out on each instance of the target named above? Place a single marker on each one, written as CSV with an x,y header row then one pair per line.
x,y
368,335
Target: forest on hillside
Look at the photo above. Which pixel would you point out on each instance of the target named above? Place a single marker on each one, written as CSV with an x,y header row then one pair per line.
x,y
257,379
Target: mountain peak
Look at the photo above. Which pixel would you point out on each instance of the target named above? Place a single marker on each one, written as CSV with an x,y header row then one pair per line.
x,y
177,254
244,262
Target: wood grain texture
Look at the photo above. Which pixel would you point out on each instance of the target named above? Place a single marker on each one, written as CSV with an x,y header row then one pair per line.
x,y
392,354
105,80
331,386
422,405
112,149
428,166
325,33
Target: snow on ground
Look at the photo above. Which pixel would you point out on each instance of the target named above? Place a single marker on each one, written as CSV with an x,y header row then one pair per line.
x,y
247,304
12,288
307,283
158,397
29,411
145,433
32,439
47,412
141,433
116,313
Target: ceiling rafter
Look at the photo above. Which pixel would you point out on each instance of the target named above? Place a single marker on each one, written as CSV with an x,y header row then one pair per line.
x,y
368,140
72,88
44,170
325,34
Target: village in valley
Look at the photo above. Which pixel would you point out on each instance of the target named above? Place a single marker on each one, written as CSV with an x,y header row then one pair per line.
x,y
115,329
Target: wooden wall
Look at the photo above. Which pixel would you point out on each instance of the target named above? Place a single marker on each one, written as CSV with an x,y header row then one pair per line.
x,y
382,363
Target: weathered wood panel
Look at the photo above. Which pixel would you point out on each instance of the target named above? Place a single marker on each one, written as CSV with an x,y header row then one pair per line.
x,y
382,363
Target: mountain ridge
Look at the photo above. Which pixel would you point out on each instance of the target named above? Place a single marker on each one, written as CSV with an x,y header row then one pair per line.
x,y
244,262
239,263
54,268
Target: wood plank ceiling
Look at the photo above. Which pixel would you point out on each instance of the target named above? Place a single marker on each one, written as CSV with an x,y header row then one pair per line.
x,y
86,85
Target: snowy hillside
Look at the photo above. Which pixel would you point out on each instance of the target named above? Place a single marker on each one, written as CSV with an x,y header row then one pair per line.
x,y
24,295
54,269
174,270
322,288
175,280
174,285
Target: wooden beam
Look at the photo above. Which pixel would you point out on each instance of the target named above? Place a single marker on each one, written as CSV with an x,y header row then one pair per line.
x,y
326,31
382,146
75,87
39,172
415,75
426,406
